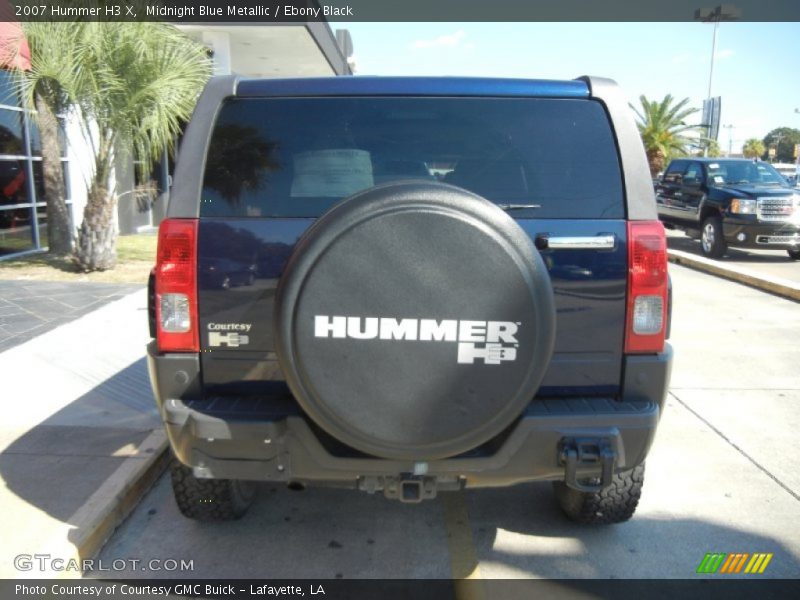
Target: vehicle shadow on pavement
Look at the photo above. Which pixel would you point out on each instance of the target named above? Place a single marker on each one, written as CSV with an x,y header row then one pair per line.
x,y
53,469
522,532
313,533
514,532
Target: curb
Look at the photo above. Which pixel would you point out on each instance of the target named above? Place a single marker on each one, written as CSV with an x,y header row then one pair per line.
x,y
110,505
774,285
90,527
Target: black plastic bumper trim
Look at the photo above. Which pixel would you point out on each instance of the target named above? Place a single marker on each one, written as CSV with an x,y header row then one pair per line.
x,y
268,438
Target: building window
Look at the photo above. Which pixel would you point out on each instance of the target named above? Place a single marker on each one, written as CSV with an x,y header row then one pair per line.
x,y
23,212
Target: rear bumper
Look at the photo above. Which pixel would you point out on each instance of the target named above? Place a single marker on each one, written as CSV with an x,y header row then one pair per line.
x,y
270,439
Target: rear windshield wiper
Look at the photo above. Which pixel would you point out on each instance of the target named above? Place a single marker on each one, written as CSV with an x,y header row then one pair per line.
x,y
518,206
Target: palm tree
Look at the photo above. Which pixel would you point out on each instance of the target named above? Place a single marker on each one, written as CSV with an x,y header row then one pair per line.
x,y
131,86
51,57
753,148
662,125
709,148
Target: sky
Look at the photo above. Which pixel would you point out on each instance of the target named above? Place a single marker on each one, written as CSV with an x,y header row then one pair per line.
x,y
756,66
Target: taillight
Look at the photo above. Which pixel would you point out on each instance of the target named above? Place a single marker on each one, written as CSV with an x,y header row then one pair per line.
x,y
646,324
176,286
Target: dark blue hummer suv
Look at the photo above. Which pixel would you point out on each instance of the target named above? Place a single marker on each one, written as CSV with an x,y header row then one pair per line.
x,y
455,282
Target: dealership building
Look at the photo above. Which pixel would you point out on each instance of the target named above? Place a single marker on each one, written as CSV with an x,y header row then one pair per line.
x,y
265,51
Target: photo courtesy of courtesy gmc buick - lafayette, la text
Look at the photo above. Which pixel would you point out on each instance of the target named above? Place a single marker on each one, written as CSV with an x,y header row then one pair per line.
x,y
410,286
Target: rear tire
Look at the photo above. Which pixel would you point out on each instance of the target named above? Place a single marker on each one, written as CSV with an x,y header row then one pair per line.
x,y
210,499
712,239
794,253
615,504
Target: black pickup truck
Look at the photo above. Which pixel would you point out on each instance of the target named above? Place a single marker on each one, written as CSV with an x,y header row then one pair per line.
x,y
450,282
730,202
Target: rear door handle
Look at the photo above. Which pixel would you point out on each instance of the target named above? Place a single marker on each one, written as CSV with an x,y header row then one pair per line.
x,y
605,241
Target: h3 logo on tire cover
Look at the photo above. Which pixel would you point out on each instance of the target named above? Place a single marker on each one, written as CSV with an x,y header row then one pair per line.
x,y
498,337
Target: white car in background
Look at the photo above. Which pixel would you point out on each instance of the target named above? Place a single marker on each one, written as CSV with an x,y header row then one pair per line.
x,y
789,171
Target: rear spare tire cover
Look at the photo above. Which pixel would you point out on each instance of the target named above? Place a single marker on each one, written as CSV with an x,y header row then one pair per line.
x,y
414,321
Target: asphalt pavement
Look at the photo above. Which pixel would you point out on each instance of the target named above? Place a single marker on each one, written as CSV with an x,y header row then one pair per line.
x,y
722,477
769,263
81,443
766,270
79,433
30,308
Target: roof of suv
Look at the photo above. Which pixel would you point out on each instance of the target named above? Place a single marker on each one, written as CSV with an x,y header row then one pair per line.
x,y
412,86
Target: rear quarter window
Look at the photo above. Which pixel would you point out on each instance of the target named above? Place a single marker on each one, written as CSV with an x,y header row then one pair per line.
x,y
296,157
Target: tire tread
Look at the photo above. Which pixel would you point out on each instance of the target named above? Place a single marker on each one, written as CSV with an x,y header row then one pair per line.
x,y
615,504
207,499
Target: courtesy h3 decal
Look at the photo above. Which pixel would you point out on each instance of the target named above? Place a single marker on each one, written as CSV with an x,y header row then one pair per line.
x,y
720,563
228,334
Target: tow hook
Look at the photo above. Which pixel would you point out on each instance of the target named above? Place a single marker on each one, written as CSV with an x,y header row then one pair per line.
x,y
589,459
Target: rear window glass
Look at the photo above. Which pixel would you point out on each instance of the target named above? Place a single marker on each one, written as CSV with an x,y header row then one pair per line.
x,y
271,157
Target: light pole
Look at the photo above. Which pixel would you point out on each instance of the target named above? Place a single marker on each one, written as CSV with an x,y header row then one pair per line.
x,y
714,15
730,129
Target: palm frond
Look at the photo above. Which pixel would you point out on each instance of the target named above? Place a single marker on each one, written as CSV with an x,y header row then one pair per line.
x,y
132,85
662,125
